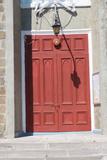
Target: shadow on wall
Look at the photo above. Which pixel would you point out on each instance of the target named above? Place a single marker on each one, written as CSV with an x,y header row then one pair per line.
x,y
26,25
26,19
22,21
29,84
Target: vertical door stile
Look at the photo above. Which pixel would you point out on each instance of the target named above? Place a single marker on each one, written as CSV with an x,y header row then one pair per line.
x,y
59,87
56,90
42,90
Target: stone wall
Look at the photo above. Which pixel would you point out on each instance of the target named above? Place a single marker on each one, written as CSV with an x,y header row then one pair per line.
x,y
2,68
103,62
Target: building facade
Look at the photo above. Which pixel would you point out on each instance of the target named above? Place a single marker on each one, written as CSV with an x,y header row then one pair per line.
x,y
86,35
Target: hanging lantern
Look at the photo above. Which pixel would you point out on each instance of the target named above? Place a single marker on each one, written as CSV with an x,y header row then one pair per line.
x,y
56,26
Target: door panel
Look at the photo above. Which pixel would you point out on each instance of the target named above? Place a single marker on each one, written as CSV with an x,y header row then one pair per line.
x,y
67,95
65,92
57,84
36,81
46,110
48,80
81,92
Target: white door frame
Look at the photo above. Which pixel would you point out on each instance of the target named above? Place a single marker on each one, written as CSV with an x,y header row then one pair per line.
x,y
50,32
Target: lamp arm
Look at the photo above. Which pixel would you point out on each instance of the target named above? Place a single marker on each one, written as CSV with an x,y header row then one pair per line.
x,y
70,10
42,8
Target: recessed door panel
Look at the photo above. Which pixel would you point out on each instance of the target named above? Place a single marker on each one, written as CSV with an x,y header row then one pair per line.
x,y
48,80
81,92
67,92
36,81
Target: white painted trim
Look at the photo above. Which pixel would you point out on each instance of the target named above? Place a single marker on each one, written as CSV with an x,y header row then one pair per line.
x,y
50,32
78,3
91,80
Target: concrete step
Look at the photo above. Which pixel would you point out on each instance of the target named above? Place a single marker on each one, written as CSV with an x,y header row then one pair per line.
x,y
71,148
25,159
58,158
45,154
77,158
53,149
44,146
21,158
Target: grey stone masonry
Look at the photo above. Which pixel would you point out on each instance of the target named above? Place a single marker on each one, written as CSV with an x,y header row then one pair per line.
x,y
2,68
103,63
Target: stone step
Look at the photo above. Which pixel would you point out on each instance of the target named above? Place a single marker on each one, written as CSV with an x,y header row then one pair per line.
x,y
21,158
58,158
53,151
77,158
44,146
45,154
22,146
72,148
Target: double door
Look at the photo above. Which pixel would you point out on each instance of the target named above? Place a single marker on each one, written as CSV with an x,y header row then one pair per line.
x,y
57,84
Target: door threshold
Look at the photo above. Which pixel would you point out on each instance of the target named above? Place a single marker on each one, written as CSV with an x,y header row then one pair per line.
x,y
24,134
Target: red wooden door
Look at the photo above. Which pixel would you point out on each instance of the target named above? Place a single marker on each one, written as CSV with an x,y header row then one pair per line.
x,y
57,84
